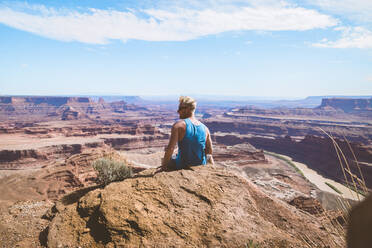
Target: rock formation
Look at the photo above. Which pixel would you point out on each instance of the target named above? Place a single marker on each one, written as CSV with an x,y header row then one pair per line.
x,y
200,207
320,155
50,100
13,155
70,114
346,104
307,204
272,128
67,108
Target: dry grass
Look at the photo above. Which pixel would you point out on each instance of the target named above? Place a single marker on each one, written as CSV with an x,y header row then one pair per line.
x,y
353,182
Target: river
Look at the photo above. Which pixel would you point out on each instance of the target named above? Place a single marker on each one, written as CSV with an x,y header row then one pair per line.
x,y
321,181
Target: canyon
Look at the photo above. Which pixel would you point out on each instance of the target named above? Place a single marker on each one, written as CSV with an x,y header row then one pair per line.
x,y
47,145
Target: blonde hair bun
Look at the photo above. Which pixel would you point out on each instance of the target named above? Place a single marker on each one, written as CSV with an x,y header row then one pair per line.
x,y
188,102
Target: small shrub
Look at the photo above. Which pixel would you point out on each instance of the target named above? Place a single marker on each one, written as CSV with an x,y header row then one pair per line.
x,y
110,170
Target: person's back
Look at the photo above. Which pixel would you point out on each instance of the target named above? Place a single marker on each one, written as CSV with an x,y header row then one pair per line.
x,y
193,139
191,149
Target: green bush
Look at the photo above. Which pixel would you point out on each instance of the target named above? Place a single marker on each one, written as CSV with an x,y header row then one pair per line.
x,y
110,170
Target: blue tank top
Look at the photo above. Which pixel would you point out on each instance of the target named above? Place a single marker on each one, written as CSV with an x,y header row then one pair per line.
x,y
191,149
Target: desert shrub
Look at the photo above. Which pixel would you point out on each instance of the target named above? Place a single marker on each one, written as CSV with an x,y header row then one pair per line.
x,y
110,170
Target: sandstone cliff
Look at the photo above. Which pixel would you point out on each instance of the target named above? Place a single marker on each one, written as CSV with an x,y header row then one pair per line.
x,y
200,207
50,100
347,105
67,108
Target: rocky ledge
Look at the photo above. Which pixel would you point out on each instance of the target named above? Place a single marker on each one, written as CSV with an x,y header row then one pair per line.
x,y
200,207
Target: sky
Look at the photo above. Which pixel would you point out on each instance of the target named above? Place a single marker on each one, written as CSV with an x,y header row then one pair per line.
x,y
288,49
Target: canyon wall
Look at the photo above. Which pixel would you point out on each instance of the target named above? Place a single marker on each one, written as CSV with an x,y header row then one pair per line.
x,y
59,108
293,128
347,105
357,107
316,152
50,100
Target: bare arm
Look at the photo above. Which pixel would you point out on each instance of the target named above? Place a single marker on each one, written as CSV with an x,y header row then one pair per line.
x,y
171,145
209,147
208,143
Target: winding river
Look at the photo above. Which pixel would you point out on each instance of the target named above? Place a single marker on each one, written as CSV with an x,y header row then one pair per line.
x,y
321,181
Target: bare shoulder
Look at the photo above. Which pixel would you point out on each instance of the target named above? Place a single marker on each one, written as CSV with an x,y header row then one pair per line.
x,y
179,124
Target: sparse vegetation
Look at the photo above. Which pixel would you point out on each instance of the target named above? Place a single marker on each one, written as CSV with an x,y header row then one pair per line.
x,y
285,160
333,187
356,183
252,244
353,182
110,170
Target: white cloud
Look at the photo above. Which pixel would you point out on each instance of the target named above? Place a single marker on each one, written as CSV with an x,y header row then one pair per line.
x,y
360,10
179,24
352,37
369,78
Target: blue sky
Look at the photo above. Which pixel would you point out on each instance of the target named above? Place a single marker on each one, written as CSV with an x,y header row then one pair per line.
x,y
171,47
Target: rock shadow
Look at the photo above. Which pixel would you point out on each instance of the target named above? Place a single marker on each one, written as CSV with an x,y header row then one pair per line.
x,y
74,196
97,229
43,237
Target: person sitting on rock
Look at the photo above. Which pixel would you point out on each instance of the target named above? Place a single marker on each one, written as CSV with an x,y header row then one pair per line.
x,y
193,138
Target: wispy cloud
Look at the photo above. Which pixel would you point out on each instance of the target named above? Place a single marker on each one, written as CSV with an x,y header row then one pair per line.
x,y
369,78
98,26
359,10
351,37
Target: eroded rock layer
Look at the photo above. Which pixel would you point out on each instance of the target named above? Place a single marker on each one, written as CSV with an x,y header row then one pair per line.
x,y
319,153
347,105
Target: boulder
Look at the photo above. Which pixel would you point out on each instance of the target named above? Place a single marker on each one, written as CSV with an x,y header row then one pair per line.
x,y
308,204
199,207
